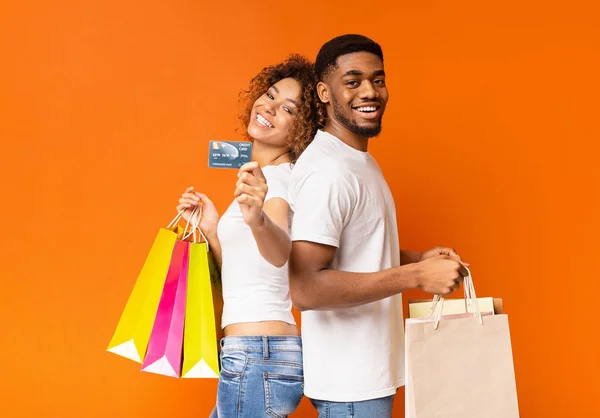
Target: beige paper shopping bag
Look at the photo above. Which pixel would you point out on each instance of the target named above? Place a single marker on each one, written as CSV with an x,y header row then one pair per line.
x,y
460,366
419,308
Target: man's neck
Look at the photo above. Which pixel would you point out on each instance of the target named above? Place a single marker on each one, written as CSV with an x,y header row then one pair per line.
x,y
351,139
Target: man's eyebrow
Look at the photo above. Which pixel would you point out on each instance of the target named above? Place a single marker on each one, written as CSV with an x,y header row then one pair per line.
x,y
352,72
359,73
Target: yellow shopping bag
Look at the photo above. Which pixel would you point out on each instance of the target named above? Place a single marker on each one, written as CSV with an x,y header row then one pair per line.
x,y
130,339
200,352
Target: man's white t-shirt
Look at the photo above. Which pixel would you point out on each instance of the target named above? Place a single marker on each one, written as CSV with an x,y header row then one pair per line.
x,y
253,289
339,197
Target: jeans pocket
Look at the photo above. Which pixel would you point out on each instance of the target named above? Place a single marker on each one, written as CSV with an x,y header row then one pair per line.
x,y
233,363
283,393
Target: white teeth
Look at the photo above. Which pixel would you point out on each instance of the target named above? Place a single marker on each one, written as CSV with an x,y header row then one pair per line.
x,y
367,109
262,121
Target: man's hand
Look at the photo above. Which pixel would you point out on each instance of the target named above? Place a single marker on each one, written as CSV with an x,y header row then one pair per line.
x,y
439,251
440,275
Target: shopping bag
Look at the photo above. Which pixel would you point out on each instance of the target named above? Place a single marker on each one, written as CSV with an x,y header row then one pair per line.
x,y
166,340
420,308
460,365
131,336
200,350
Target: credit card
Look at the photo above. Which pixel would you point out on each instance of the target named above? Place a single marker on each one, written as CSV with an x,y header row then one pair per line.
x,y
229,154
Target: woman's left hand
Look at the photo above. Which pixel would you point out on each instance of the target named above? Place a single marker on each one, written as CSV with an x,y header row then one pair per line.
x,y
250,192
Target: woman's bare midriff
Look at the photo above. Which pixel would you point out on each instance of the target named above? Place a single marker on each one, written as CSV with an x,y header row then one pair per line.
x,y
265,328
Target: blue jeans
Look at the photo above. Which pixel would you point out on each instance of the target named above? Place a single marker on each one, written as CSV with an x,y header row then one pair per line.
x,y
260,377
373,408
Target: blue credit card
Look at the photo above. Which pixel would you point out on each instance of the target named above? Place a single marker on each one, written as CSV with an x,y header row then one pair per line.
x,y
229,154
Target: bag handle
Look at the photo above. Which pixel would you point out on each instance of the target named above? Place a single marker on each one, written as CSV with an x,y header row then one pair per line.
x,y
193,222
470,300
195,225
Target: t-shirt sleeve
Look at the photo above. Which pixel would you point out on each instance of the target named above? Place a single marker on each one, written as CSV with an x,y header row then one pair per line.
x,y
278,180
322,203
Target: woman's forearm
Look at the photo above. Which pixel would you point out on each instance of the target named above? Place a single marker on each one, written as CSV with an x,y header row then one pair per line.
x,y
273,242
215,247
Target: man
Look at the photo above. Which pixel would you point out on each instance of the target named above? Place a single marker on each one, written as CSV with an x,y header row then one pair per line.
x,y
346,269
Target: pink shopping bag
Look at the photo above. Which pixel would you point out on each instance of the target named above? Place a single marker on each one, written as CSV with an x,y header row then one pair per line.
x,y
166,340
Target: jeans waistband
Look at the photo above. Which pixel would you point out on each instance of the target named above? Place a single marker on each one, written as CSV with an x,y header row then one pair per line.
x,y
264,344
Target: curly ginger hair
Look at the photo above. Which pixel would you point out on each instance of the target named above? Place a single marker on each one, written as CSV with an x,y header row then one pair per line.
x,y
311,114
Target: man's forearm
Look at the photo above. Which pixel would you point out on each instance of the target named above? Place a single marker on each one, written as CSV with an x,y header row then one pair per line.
x,y
332,289
409,257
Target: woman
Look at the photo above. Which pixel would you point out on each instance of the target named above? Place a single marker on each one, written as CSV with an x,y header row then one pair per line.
x,y
261,353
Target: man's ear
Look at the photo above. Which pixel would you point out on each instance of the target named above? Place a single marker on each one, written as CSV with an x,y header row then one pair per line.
x,y
323,92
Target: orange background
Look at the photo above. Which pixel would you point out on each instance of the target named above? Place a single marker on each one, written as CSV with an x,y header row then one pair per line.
x,y
106,108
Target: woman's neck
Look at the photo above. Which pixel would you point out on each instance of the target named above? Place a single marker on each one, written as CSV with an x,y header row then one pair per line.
x,y
266,155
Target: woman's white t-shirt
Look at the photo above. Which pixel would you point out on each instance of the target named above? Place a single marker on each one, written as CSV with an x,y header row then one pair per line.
x,y
253,289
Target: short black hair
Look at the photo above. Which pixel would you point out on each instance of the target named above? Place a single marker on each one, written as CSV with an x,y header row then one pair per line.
x,y
343,45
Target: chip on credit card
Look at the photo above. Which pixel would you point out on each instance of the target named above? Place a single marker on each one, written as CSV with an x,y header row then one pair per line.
x,y
229,154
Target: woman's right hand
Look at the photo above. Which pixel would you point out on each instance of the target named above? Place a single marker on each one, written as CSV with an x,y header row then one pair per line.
x,y
209,218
